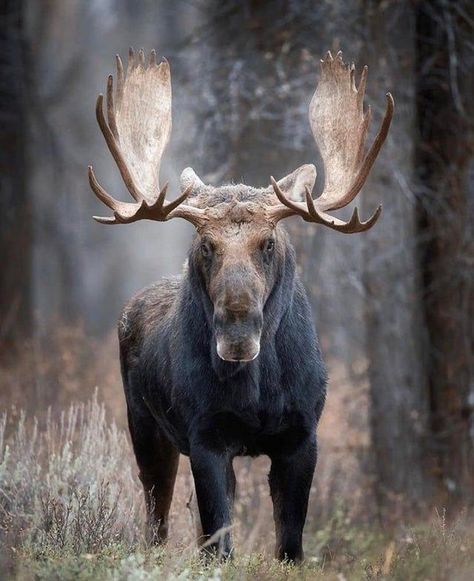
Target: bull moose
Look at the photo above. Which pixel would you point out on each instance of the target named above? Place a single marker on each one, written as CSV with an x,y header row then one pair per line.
x,y
223,360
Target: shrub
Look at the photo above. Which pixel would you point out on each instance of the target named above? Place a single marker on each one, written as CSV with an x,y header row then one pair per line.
x,y
68,487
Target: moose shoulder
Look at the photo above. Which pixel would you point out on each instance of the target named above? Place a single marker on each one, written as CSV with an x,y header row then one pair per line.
x,y
224,360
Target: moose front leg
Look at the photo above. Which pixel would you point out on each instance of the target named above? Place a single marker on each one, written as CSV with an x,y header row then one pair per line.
x,y
214,482
290,483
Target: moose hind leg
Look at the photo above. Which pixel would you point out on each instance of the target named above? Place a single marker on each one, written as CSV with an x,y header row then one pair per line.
x,y
157,461
290,484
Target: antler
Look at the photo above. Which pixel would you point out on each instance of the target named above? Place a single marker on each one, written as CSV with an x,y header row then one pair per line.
x,y
339,125
136,131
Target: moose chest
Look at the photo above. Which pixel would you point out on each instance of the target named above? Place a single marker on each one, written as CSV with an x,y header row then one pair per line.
x,y
252,434
250,417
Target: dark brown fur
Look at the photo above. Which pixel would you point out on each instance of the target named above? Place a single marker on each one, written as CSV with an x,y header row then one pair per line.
x,y
196,384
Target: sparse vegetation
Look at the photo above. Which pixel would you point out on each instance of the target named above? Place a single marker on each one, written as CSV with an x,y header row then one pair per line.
x,y
71,508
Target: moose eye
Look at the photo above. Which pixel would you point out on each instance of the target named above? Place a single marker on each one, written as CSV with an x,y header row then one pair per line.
x,y
269,245
206,249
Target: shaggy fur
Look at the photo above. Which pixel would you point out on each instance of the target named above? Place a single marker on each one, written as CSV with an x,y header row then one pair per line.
x,y
183,398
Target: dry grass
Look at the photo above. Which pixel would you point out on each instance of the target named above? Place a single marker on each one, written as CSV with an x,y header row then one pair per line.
x,y
68,486
71,507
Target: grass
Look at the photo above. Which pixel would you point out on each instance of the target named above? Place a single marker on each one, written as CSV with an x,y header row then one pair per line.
x,y
71,508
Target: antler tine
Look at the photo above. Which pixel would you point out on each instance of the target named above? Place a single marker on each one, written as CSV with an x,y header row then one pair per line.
x,y
310,213
115,151
124,212
120,78
99,191
110,107
176,209
132,63
180,199
353,226
293,206
362,85
106,220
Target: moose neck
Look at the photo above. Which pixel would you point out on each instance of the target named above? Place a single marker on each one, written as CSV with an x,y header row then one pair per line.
x,y
276,306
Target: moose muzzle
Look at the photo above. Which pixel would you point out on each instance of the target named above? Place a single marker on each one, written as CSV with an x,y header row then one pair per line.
x,y
238,333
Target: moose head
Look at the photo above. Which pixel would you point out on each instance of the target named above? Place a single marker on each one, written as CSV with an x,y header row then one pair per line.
x,y
239,245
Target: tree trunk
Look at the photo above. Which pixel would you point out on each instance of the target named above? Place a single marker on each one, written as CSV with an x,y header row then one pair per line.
x,y
15,208
445,74
398,384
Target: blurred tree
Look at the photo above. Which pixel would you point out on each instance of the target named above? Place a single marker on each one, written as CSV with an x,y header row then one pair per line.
x,y
249,54
395,327
55,29
445,85
421,301
16,236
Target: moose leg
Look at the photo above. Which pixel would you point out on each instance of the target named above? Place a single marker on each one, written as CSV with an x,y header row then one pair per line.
x,y
230,496
290,483
157,461
214,481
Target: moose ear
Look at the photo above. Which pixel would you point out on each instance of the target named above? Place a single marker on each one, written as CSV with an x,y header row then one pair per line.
x,y
294,184
188,178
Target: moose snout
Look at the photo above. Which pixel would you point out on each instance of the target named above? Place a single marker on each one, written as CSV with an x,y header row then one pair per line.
x,y
238,333
240,351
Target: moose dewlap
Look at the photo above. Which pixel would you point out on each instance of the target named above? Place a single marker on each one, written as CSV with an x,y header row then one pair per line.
x,y
224,360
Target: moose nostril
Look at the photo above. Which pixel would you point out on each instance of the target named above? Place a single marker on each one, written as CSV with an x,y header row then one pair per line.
x,y
238,307
240,314
237,318
228,311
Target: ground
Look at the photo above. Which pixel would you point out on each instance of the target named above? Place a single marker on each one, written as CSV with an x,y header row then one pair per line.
x,y
71,508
